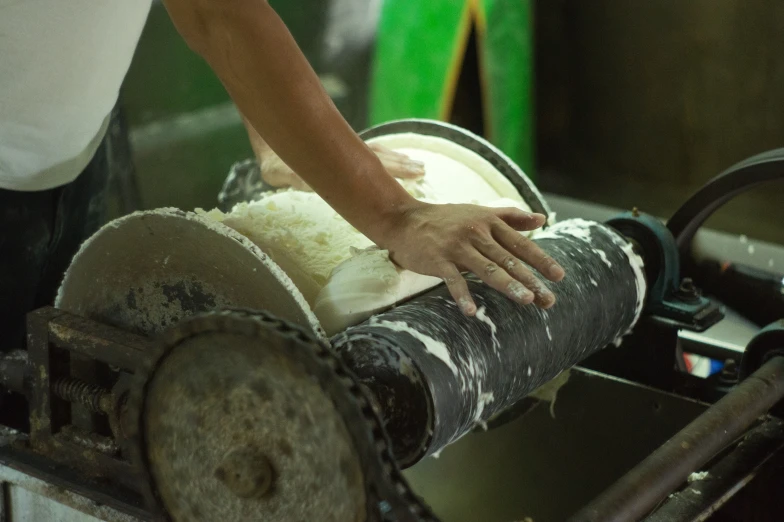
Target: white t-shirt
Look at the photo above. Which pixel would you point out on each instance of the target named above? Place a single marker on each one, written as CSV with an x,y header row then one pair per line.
x,y
61,66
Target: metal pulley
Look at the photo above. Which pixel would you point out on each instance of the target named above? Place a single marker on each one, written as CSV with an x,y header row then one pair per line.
x,y
241,416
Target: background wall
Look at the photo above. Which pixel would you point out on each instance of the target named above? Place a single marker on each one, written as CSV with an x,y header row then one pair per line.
x,y
640,103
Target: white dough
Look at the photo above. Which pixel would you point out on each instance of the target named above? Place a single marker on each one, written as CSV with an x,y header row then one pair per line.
x,y
457,174
343,276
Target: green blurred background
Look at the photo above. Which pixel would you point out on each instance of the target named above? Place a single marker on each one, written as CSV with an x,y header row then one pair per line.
x,y
625,104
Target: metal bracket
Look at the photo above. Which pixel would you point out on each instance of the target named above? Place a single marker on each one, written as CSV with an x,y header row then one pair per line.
x,y
768,343
56,340
670,300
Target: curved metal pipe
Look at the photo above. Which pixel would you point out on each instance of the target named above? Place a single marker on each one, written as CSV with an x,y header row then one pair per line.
x,y
739,178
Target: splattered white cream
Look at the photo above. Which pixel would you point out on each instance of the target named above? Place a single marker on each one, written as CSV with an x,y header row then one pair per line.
x,y
433,347
481,314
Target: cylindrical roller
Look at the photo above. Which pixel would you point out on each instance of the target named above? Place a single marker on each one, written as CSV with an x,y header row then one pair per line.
x,y
436,374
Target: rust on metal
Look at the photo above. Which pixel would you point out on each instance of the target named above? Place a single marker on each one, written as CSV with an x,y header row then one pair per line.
x,y
225,410
246,471
98,341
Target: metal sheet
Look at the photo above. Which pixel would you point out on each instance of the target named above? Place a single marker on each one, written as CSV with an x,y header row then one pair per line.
x,y
149,270
546,466
33,500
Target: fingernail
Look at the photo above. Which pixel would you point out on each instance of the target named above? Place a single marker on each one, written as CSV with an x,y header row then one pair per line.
x,y
546,299
520,292
417,163
555,272
466,306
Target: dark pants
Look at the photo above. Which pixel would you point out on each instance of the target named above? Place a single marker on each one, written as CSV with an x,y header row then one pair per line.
x,y
39,234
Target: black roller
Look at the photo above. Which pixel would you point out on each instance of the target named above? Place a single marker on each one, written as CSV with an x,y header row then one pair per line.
x,y
437,374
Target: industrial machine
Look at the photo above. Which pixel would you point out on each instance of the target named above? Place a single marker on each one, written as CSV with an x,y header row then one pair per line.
x,y
179,378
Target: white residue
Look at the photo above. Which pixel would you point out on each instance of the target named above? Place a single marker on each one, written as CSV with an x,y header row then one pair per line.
x,y
212,221
549,336
579,228
593,282
435,348
751,250
638,266
697,476
483,400
603,255
744,239
530,371
481,314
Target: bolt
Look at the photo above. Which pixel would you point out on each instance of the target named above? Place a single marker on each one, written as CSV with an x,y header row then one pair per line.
x,y
95,398
729,374
246,472
688,292
687,286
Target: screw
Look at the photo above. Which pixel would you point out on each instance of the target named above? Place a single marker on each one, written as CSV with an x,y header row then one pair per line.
x,y
246,472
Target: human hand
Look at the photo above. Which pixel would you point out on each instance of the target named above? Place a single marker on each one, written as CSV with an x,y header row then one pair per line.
x,y
445,240
278,174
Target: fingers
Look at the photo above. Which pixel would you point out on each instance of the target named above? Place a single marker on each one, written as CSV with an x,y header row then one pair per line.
x,y
526,250
521,220
459,289
380,149
497,277
299,184
501,258
397,164
277,174
403,169
283,179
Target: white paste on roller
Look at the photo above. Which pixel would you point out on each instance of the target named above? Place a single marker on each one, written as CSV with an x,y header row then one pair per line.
x,y
342,275
481,314
432,346
581,229
483,400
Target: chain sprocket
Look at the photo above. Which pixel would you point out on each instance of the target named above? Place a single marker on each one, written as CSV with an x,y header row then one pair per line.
x,y
388,496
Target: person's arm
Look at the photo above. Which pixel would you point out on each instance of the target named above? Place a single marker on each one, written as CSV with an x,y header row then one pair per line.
x,y
276,173
256,58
